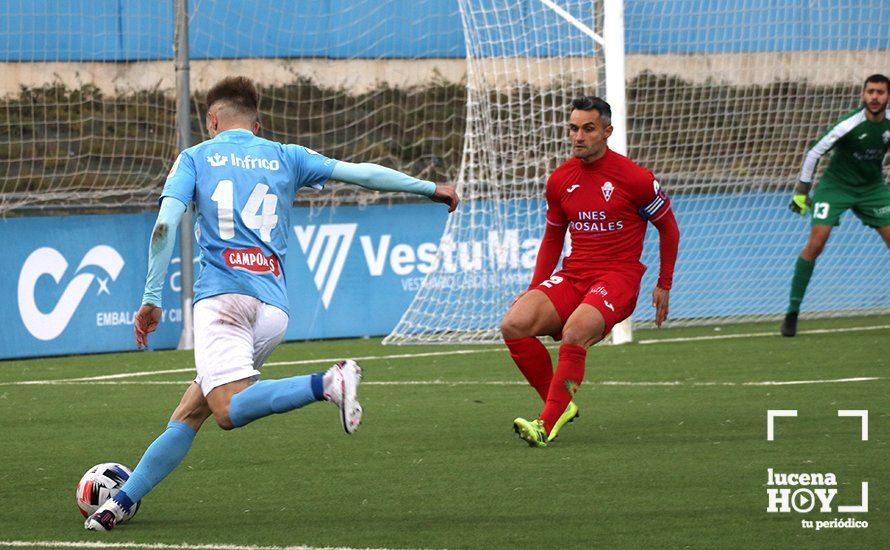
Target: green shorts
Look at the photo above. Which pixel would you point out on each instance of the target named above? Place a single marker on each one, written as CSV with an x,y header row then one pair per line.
x,y
872,206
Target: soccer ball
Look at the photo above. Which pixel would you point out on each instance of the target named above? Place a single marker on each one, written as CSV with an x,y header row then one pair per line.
x,y
100,483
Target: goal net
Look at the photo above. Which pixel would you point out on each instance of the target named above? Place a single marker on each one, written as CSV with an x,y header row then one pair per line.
x,y
524,65
86,104
723,99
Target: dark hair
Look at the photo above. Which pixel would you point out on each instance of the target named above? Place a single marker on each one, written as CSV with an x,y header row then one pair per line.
x,y
877,79
238,92
593,103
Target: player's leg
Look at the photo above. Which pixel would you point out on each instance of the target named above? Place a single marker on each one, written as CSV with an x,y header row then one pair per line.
x,y
532,315
159,459
250,332
541,311
608,300
339,383
816,242
828,205
584,328
803,272
225,339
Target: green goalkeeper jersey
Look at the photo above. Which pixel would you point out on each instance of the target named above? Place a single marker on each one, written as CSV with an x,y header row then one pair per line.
x,y
859,148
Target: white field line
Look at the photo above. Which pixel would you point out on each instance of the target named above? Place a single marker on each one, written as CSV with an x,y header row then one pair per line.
x,y
440,382
151,546
394,356
758,335
766,383
327,361
418,355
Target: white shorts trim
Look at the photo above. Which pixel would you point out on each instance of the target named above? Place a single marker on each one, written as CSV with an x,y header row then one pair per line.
x,y
234,334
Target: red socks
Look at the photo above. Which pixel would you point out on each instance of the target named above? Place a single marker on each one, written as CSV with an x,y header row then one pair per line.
x,y
558,389
533,360
569,374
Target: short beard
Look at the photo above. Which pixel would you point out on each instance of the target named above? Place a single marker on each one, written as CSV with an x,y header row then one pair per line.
x,y
880,110
587,154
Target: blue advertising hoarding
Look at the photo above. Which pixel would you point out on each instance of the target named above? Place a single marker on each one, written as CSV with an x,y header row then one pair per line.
x,y
72,284
75,282
353,271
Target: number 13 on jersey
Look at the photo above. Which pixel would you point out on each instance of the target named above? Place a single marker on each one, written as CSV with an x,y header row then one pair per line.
x,y
258,212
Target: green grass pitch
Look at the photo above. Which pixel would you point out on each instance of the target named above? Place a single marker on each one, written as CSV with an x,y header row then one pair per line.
x,y
671,448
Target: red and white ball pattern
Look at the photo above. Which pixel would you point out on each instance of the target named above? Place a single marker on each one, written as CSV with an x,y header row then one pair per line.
x,y
100,483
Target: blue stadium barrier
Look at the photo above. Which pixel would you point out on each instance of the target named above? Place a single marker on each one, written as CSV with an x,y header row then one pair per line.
x,y
131,30
72,284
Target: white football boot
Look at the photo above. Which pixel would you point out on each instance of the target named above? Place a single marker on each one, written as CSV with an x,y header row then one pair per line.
x,y
340,386
105,518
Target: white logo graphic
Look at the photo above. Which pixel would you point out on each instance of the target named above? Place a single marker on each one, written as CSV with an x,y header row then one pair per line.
x,y
607,190
572,188
326,247
217,160
801,492
864,135
805,492
247,162
48,261
175,166
610,306
886,136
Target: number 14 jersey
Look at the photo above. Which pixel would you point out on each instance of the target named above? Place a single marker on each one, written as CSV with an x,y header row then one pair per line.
x,y
243,187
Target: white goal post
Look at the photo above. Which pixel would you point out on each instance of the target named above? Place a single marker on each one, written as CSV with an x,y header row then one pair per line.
x,y
612,41
524,66
721,104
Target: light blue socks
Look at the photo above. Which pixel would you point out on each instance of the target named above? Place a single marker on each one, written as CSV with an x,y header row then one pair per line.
x,y
161,458
275,396
259,400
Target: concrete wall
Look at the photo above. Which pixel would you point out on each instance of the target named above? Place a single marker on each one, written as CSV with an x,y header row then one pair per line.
x,y
360,75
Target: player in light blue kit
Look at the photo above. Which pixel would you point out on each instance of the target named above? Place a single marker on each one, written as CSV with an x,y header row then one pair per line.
x,y
242,187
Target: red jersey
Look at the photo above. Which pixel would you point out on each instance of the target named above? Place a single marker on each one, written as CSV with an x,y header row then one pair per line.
x,y
606,205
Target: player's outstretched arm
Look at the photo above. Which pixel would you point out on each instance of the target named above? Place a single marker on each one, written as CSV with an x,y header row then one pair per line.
x,y
669,244
381,178
163,239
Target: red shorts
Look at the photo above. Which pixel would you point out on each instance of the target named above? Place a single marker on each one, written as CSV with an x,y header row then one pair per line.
x,y
614,294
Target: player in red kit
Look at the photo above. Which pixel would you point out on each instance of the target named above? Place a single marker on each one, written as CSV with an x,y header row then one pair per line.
x,y
605,201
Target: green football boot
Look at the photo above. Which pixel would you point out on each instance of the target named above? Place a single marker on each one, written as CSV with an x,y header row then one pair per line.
x,y
568,415
532,431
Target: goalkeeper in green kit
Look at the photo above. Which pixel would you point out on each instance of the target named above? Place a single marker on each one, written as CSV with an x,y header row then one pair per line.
x,y
853,179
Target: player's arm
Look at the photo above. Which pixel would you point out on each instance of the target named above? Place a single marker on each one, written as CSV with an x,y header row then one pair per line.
x,y
548,256
656,208
668,246
553,239
381,178
548,253
160,252
177,194
800,200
